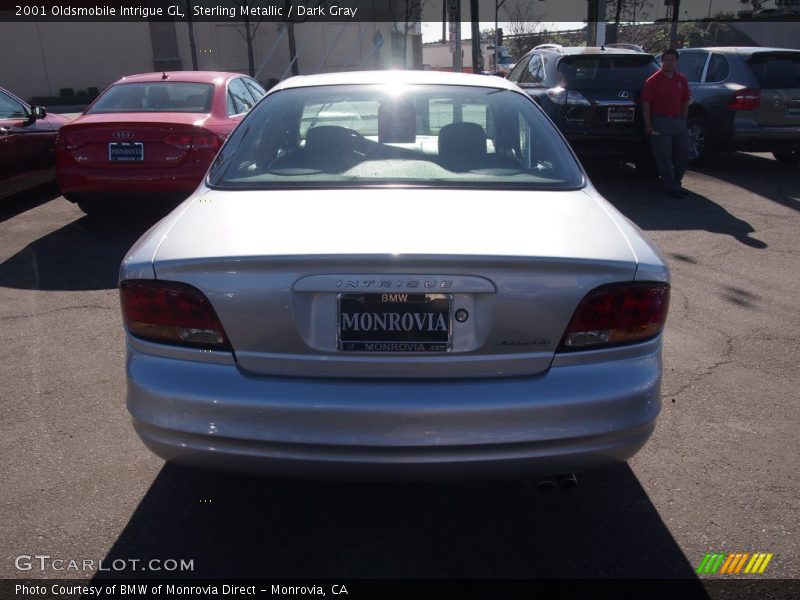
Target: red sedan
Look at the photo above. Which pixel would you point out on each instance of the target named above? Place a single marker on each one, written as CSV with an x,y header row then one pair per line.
x,y
154,133
27,134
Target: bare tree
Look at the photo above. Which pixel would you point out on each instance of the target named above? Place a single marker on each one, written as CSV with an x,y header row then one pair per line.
x,y
624,11
188,11
410,15
523,25
294,61
247,31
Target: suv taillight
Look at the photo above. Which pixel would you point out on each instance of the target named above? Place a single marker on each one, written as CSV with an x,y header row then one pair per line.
x,y
172,313
559,95
617,314
746,99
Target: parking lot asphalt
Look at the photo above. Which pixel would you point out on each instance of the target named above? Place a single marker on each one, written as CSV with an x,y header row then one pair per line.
x,y
719,475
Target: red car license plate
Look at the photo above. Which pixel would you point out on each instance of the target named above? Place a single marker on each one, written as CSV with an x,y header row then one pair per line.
x,y
126,151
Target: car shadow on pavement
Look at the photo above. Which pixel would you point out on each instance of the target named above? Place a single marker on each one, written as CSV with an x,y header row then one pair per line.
x,y
641,200
758,174
12,206
236,526
83,255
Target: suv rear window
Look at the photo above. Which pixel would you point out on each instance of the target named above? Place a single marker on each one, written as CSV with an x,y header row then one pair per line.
x,y
776,70
155,97
591,71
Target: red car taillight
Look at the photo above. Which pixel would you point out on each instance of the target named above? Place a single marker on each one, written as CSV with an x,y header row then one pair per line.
x,y
204,140
617,314
207,140
69,140
746,99
171,313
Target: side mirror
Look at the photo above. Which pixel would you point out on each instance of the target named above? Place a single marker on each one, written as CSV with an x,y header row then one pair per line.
x,y
38,112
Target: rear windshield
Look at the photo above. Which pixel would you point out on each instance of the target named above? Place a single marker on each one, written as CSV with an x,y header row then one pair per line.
x,y
594,72
776,70
395,134
159,96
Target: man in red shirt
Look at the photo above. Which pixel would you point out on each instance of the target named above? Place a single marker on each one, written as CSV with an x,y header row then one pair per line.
x,y
665,106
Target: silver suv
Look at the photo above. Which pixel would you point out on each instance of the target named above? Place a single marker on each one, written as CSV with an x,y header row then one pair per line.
x,y
743,98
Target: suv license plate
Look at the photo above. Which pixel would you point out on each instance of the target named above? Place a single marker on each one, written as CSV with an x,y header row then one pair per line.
x,y
621,115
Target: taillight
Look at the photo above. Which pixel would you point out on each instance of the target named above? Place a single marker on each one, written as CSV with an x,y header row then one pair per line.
x,y
746,99
617,314
171,313
69,140
202,140
207,141
559,95
179,140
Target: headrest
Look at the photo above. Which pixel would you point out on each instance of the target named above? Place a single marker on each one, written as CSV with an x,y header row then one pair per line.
x,y
157,97
462,146
397,122
328,138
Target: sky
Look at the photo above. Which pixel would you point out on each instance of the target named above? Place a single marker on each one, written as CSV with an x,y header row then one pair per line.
x,y
563,9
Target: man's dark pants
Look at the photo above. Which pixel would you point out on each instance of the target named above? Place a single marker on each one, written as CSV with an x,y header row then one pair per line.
x,y
670,145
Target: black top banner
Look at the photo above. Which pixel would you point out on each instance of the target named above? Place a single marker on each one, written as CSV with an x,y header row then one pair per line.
x,y
404,11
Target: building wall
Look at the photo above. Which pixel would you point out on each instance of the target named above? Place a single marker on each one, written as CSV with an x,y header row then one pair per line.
x,y
38,59
438,55
51,56
321,47
778,34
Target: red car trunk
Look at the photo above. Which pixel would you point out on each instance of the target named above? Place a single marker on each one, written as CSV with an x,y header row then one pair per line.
x,y
139,141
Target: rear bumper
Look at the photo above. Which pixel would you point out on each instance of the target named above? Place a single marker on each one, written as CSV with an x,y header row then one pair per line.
x,y
571,418
747,135
76,179
629,146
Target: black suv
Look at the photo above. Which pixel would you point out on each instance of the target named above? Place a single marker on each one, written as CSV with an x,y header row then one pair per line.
x,y
744,98
592,95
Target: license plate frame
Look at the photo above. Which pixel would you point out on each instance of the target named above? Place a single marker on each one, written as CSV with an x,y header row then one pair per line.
x,y
621,114
137,156
380,340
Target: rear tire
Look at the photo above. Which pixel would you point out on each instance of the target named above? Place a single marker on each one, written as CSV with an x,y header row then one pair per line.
x,y
787,157
699,140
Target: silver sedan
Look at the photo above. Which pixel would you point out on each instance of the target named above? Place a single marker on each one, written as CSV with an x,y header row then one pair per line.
x,y
390,274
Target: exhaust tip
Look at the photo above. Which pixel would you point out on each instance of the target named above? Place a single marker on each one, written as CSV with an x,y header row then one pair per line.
x,y
567,481
545,485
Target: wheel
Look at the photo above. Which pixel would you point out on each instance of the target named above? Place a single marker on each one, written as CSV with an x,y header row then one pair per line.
x,y
699,142
787,157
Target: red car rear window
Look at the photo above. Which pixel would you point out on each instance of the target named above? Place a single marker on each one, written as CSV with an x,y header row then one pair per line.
x,y
155,96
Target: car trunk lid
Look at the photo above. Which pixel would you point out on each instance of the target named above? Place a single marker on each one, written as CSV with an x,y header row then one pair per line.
x,y
132,141
274,264
612,87
778,75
